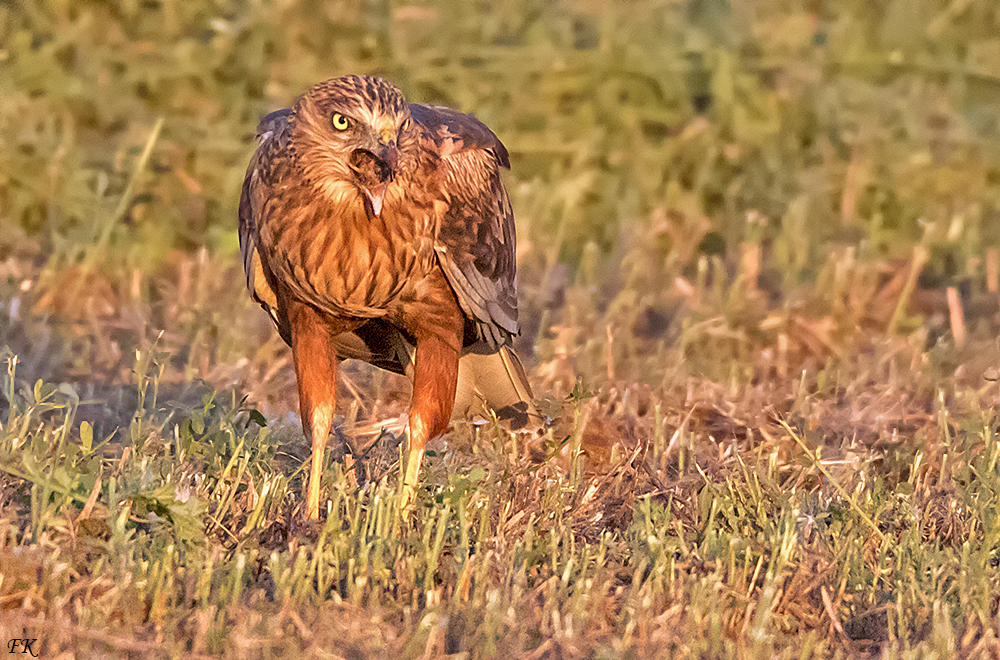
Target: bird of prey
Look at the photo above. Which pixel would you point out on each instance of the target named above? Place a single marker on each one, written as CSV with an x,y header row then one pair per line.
x,y
375,229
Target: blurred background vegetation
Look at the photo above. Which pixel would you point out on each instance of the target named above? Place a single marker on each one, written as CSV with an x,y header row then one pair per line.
x,y
658,148
758,270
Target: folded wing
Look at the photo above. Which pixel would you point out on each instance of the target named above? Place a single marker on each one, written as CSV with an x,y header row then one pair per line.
x,y
476,244
270,136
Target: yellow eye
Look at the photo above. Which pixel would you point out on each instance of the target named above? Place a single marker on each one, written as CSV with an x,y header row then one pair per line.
x,y
406,123
340,122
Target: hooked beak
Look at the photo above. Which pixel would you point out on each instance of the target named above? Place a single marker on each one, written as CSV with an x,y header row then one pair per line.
x,y
387,155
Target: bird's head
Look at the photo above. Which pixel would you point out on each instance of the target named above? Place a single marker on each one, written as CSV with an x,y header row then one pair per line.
x,y
354,136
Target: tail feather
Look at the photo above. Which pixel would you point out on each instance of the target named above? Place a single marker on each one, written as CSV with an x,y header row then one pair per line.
x,y
497,382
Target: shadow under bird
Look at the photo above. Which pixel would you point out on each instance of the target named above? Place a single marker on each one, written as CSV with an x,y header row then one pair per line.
x,y
379,230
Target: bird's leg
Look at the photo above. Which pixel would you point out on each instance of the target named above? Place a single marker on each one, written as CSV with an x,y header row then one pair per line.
x,y
435,374
316,373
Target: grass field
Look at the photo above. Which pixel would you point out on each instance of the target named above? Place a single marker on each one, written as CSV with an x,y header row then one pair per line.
x,y
758,267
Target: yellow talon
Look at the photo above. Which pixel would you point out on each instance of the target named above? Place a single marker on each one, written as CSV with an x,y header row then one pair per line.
x,y
312,501
408,491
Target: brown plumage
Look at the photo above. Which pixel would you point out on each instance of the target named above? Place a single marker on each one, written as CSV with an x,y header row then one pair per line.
x,y
381,231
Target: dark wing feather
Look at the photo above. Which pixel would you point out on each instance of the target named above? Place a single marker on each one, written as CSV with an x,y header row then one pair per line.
x,y
270,136
453,131
475,245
